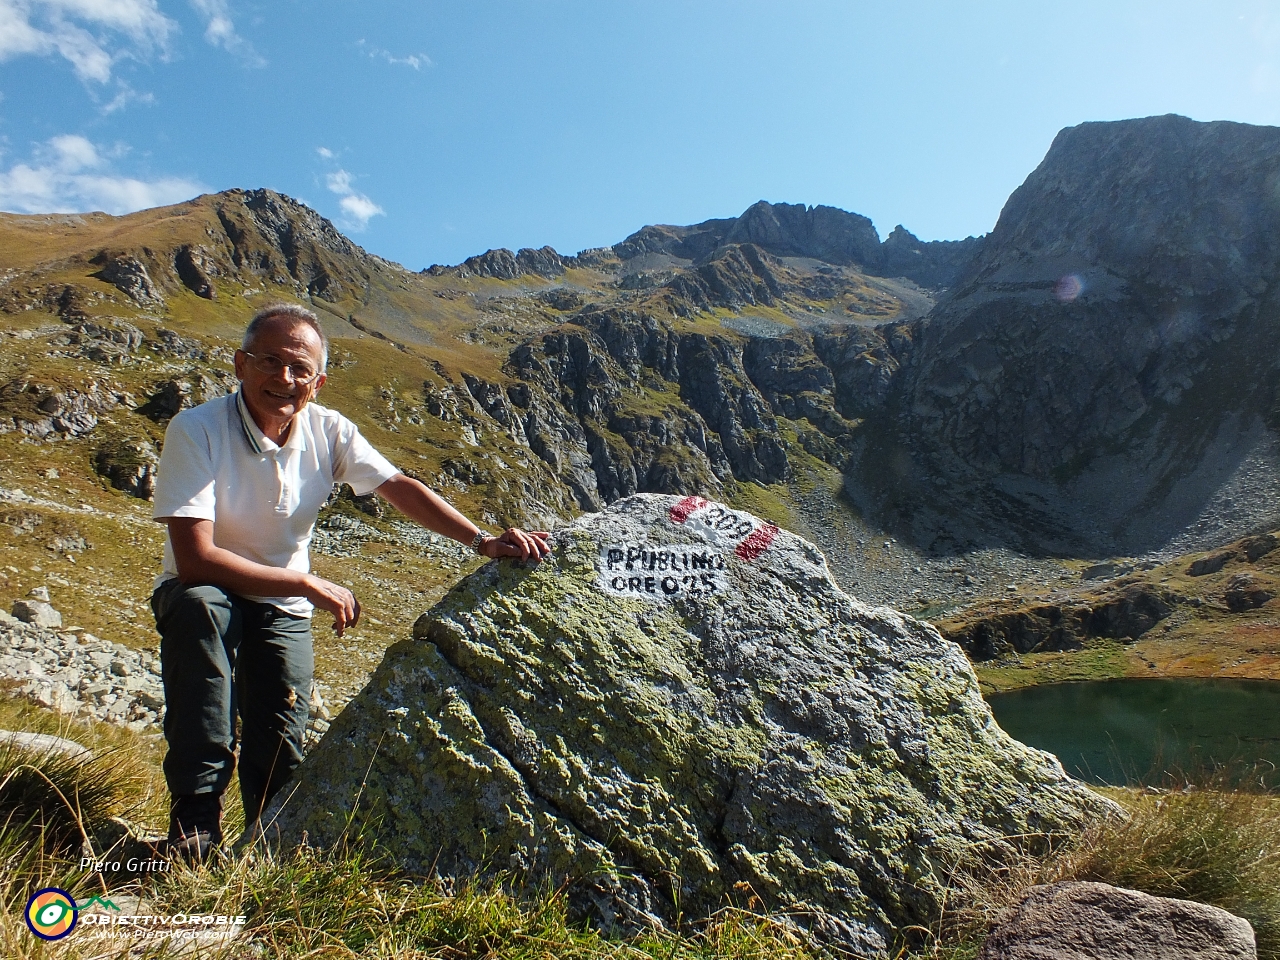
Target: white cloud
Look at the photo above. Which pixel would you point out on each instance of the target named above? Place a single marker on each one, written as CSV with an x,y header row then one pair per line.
x,y
415,60
339,182
126,95
71,153
69,174
325,152
220,30
358,208
58,28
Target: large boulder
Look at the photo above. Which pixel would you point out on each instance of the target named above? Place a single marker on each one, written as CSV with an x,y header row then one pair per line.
x,y
677,708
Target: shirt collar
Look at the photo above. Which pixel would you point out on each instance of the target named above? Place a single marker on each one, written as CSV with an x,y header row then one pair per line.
x,y
258,441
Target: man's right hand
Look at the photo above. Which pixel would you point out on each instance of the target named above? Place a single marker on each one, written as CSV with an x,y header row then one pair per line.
x,y
335,599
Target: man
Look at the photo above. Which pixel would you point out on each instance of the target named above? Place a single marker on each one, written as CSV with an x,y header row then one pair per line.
x,y
240,483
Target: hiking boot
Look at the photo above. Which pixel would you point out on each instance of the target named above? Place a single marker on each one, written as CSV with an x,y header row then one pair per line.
x,y
195,826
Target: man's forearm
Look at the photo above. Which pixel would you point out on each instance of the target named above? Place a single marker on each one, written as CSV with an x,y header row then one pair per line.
x,y
222,568
200,562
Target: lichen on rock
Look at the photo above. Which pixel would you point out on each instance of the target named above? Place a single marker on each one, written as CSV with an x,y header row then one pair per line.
x,y
677,706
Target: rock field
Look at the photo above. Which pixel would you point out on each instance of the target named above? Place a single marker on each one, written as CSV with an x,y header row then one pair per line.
x,y
80,675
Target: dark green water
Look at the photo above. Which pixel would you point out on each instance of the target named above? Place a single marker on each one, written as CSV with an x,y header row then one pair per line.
x,y
1125,731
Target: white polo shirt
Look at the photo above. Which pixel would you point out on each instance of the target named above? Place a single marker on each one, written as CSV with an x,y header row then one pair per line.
x,y
262,498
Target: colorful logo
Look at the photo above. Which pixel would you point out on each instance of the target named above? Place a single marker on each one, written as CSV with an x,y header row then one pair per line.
x,y
51,913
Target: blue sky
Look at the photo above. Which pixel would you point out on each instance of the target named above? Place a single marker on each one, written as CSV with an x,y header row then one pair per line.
x,y
431,131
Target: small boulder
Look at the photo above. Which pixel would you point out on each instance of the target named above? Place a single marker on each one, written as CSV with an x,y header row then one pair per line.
x,y
45,744
1245,592
38,613
1094,921
1210,564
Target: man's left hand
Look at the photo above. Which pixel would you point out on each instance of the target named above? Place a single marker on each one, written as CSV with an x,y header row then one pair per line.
x,y
514,542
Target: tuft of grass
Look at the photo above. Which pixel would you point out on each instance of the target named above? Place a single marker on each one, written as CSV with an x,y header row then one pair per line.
x,y
1208,844
47,798
58,802
351,903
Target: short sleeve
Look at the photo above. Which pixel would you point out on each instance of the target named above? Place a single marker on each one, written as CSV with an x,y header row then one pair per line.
x,y
184,476
357,463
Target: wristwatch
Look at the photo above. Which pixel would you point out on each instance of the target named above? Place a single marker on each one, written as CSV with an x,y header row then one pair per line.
x,y
478,541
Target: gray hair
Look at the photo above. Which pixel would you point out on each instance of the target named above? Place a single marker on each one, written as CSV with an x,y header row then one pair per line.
x,y
297,315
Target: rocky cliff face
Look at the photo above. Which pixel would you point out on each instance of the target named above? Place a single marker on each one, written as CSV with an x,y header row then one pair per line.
x,y
618,402
677,704
1104,369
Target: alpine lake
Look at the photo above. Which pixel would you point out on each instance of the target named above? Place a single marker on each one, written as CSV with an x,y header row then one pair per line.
x,y
1139,731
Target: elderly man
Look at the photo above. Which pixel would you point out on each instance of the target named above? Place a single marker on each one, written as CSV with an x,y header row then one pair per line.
x,y
240,482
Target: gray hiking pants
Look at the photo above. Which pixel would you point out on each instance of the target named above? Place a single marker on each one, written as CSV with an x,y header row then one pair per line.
x,y
221,654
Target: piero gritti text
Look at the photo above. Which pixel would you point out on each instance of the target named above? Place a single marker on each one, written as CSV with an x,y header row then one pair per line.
x,y
132,865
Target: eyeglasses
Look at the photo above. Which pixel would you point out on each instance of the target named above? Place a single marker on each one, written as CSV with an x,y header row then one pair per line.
x,y
272,366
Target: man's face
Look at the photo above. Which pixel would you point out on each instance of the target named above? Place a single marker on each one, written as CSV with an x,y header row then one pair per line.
x,y
274,400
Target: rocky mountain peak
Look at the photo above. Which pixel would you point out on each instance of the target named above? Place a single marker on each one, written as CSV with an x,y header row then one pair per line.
x,y
794,230
823,233
1166,200
286,223
1076,378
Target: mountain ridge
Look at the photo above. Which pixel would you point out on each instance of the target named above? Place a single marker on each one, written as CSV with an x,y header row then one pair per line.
x,y
824,233
1005,409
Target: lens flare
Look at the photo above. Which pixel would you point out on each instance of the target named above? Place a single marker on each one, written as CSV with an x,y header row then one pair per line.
x,y
1069,287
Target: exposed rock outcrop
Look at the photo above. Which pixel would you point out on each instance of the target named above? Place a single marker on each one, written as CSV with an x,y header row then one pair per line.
x,y
179,393
130,276
103,343
49,411
128,464
1124,611
677,702
196,268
